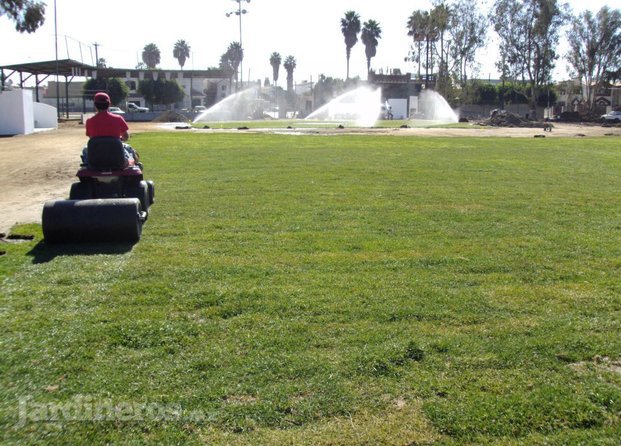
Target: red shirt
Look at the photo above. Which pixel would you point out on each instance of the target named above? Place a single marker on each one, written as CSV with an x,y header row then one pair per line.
x,y
105,124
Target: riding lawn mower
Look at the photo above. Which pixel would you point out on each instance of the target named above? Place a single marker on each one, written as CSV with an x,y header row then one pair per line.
x,y
109,203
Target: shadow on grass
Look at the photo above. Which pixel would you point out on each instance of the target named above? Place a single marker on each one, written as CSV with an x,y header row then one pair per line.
x,y
46,252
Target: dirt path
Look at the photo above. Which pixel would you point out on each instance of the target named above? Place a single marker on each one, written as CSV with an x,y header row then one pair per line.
x,y
36,168
42,166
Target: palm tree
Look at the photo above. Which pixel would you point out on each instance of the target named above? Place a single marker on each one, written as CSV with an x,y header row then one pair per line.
x,y
420,28
181,52
371,31
275,60
290,65
225,65
350,27
235,55
440,17
151,55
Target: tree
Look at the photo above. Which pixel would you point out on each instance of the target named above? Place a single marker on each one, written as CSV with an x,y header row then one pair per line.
x,y
513,93
485,93
414,25
116,88
161,91
233,58
451,33
613,76
181,52
326,89
275,61
440,18
151,55
595,48
371,32
290,64
225,65
467,31
421,28
28,15
529,34
350,27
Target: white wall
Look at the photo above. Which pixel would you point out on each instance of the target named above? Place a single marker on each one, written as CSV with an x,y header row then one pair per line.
x,y
16,112
399,108
45,116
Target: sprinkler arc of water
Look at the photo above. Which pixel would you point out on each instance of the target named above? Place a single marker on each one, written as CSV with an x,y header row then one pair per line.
x,y
234,107
436,108
361,105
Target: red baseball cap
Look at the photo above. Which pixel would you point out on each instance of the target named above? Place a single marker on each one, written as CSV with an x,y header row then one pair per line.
x,y
102,98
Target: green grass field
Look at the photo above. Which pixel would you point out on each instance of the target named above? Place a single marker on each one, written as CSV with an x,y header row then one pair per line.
x,y
330,290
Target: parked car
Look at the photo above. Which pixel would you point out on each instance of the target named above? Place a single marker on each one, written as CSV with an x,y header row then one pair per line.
x,y
614,116
116,110
131,107
200,108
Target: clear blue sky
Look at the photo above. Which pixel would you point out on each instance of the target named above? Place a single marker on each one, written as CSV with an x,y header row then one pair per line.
x,y
310,31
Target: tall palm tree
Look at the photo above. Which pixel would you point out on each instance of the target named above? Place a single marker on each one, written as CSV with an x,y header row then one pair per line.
x,y
151,55
181,52
440,17
235,55
289,65
421,29
371,31
275,60
350,27
225,65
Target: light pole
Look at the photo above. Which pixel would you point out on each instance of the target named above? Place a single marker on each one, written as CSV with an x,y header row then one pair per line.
x,y
239,13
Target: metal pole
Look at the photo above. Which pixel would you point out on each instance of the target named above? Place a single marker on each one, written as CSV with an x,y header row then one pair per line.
x,y
241,62
67,97
191,86
239,13
56,49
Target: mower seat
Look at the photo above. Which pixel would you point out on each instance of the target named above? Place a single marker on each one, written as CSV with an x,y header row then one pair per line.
x,y
106,153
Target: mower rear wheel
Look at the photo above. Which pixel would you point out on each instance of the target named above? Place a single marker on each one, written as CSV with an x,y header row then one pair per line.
x,y
140,191
81,191
151,186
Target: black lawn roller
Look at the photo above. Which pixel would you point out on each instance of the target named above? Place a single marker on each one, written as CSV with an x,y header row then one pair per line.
x,y
110,202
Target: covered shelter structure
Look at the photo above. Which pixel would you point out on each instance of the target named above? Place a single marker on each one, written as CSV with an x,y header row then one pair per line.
x,y
202,87
68,68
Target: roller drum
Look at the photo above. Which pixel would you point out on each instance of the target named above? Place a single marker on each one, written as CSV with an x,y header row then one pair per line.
x,y
98,220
